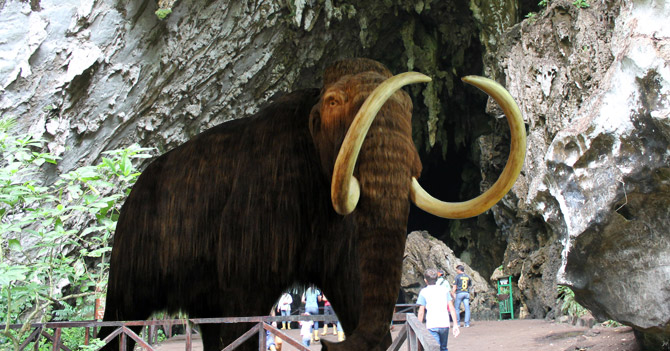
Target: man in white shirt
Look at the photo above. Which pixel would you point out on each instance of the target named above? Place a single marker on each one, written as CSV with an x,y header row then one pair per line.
x,y
436,301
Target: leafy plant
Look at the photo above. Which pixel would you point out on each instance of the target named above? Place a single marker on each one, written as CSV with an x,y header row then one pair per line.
x,y
569,306
582,4
531,15
72,338
163,13
611,323
55,237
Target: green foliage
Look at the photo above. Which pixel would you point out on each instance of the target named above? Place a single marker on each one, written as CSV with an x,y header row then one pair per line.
x,y
582,4
532,15
163,13
160,336
73,338
611,324
569,306
55,237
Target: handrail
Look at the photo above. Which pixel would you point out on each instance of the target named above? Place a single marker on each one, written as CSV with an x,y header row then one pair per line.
x,y
418,334
413,332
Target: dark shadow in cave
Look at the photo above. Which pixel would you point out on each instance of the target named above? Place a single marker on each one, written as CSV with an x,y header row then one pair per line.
x,y
456,177
442,179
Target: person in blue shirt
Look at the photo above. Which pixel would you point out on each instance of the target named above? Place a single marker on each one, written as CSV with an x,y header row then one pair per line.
x,y
311,298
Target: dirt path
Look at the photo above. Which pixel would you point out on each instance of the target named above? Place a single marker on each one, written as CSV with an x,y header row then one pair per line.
x,y
514,335
533,334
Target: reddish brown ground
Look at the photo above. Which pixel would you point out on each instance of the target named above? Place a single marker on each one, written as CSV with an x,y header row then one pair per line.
x,y
516,335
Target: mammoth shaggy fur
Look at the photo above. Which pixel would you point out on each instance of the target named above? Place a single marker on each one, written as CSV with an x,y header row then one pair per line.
x,y
221,225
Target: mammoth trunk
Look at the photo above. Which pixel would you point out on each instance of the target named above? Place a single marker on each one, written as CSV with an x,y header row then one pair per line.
x,y
385,168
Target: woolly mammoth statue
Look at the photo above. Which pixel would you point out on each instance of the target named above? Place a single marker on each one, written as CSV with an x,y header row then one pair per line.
x,y
313,189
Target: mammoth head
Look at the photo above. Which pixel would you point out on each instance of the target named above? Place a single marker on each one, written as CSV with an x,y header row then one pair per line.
x,y
347,85
354,93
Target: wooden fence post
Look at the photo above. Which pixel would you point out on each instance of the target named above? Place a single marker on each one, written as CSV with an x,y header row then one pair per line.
x,y
189,340
122,343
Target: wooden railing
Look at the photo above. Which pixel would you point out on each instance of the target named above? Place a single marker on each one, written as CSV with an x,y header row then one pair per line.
x,y
413,333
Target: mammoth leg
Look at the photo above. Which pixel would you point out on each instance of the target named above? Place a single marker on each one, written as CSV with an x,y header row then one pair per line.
x,y
239,302
211,336
113,312
340,282
346,304
363,288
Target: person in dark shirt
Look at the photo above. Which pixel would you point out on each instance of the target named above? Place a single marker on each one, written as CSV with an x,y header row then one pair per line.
x,y
461,294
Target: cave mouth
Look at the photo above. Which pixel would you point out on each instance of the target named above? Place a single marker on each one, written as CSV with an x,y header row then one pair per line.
x,y
453,165
449,116
457,176
445,43
476,241
441,177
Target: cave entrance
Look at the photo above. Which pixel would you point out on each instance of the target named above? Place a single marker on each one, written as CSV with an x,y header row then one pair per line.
x,y
476,241
450,126
452,171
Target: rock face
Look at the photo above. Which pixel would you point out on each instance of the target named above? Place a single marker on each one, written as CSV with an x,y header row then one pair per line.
x,y
423,251
595,91
95,75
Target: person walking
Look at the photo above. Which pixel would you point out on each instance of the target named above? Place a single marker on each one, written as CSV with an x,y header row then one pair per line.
x,y
311,298
461,294
436,305
284,307
442,279
337,327
306,330
328,311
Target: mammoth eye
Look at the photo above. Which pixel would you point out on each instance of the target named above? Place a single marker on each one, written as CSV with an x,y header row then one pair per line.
x,y
333,99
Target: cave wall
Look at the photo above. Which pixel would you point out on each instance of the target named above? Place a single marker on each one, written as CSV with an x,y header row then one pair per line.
x,y
538,60
91,75
591,204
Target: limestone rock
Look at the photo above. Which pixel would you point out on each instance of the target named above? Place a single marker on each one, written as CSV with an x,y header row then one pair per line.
x,y
422,251
594,86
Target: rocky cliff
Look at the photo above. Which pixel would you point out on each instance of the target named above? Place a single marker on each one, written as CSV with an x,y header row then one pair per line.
x,y
423,251
591,208
595,193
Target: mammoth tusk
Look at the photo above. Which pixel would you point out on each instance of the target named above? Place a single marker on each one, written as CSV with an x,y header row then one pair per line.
x,y
508,176
345,190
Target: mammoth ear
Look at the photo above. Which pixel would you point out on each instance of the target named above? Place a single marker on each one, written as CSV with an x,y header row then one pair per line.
x,y
319,139
315,120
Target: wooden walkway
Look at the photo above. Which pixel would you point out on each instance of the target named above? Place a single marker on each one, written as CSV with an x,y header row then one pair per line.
x,y
178,343
411,332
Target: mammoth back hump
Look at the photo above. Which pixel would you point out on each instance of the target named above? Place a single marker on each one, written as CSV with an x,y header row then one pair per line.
x,y
226,187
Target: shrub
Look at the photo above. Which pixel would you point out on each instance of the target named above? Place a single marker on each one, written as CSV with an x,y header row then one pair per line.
x,y
569,306
55,238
